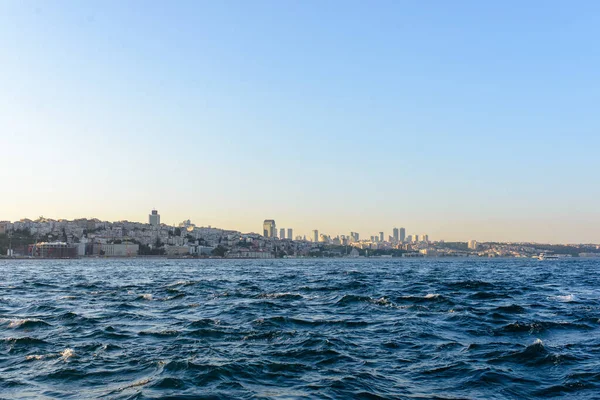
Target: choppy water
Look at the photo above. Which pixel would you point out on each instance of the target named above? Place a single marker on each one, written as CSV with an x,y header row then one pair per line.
x,y
300,328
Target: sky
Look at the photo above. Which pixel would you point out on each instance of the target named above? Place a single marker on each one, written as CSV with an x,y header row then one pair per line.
x,y
463,120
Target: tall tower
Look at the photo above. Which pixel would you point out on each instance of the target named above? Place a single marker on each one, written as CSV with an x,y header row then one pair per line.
x,y
396,235
402,234
269,229
290,234
315,235
154,218
381,236
282,233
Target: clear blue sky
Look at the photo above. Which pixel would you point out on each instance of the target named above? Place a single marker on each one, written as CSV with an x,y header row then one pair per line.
x,y
463,120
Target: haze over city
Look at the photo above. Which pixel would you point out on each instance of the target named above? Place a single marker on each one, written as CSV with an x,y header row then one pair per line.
x,y
463,120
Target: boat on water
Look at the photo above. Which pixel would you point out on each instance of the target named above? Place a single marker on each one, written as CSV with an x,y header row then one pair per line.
x,y
545,256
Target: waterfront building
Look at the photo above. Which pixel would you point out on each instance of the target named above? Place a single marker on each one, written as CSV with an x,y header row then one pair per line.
x,y
154,218
269,229
472,244
52,250
116,250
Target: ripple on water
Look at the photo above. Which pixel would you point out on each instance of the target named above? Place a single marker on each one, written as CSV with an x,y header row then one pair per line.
x,y
356,328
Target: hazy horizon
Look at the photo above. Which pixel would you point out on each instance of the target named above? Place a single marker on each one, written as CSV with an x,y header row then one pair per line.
x,y
458,120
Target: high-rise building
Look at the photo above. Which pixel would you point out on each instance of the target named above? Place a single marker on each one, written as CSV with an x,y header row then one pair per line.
x,y
417,238
409,238
472,244
381,236
402,234
282,233
425,238
315,235
396,234
154,218
269,229
354,237
290,234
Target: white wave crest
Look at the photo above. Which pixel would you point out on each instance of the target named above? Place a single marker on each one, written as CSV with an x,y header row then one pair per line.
x,y
147,296
15,323
141,382
565,299
382,301
34,357
432,296
278,295
67,353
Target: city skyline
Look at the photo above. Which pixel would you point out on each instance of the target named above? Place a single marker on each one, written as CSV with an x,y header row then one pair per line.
x,y
271,230
462,120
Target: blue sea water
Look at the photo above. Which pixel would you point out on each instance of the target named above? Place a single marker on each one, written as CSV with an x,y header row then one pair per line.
x,y
287,329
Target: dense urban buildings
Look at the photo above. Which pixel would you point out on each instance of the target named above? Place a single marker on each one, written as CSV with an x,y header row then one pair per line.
x,y
48,238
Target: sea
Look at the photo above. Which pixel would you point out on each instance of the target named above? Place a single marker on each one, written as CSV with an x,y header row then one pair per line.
x,y
445,328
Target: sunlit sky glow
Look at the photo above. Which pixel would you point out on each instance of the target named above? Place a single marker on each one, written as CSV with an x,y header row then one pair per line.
x,y
463,120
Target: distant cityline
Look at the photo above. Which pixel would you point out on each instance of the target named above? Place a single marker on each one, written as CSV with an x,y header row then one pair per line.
x,y
270,231
47,238
398,235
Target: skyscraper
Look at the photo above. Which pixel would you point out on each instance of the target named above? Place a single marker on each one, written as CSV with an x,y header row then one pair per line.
x,y
472,244
425,238
409,238
290,234
154,218
269,229
315,235
381,236
417,238
396,234
282,233
402,234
